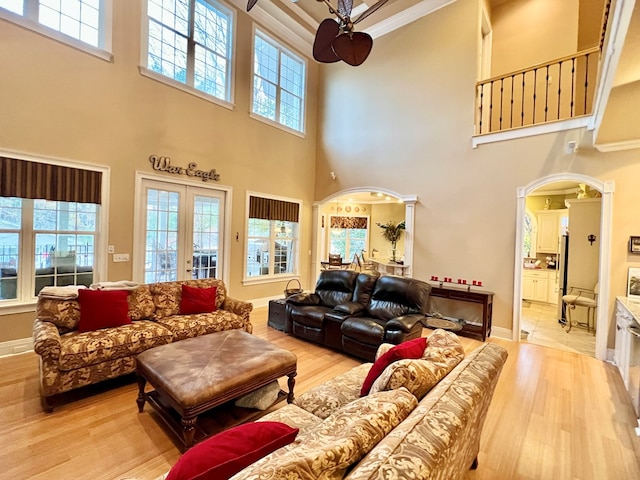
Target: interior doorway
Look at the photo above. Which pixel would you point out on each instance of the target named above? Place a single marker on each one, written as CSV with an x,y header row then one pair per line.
x,y
550,259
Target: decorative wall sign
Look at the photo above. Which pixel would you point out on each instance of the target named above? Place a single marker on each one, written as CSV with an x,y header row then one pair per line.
x,y
163,164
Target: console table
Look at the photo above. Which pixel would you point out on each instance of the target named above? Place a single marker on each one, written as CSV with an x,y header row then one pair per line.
x,y
464,294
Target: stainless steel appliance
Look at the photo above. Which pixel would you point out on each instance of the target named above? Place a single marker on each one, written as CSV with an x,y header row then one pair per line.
x,y
563,271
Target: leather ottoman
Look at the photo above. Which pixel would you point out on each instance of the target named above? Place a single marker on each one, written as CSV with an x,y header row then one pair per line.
x,y
197,374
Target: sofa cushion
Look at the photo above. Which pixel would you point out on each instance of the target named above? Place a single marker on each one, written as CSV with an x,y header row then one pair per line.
x,y
89,348
396,296
189,326
409,349
335,286
167,295
310,316
102,309
441,437
369,331
294,416
224,454
141,303
197,300
325,399
64,314
329,449
443,352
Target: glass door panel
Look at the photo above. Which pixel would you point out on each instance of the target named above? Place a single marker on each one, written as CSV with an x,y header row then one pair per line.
x,y
207,223
161,245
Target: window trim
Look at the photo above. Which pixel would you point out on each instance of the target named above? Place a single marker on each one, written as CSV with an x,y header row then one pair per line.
x,y
367,242
190,89
102,229
105,31
282,46
271,278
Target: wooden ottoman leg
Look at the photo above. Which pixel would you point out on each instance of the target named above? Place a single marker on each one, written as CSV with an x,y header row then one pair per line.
x,y
141,395
291,382
188,431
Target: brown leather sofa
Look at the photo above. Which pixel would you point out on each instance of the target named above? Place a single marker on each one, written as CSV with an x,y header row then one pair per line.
x,y
356,312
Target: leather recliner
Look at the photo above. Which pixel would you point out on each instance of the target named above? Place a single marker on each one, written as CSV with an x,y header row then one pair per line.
x,y
355,313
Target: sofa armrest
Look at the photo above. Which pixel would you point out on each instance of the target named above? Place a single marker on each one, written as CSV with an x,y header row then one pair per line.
x,y
304,299
46,340
239,307
404,323
350,308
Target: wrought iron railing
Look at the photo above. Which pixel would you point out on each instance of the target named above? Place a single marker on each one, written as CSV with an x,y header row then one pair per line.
x,y
557,90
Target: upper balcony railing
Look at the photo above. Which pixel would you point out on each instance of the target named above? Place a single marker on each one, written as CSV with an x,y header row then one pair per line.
x,y
557,90
560,89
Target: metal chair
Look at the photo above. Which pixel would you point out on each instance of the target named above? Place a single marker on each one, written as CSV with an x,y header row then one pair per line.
x,y
581,297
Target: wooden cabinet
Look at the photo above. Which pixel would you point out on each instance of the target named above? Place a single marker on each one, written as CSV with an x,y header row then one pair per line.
x,y
550,229
535,285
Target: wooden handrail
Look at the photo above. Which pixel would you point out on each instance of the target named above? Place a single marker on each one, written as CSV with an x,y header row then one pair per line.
x,y
581,53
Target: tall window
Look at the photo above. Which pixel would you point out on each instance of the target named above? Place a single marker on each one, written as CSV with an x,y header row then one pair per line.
x,y
278,83
348,236
190,41
272,240
83,20
49,217
45,243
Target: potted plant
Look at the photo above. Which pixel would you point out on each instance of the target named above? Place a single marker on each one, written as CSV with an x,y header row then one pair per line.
x,y
392,233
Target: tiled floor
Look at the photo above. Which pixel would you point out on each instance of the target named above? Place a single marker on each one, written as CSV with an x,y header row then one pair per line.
x,y
539,325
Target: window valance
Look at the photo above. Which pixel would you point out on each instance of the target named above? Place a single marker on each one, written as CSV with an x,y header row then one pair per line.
x,y
349,222
270,209
25,179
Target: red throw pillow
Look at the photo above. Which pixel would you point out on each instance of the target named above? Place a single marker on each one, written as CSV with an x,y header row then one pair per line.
x,y
198,300
225,454
102,309
409,349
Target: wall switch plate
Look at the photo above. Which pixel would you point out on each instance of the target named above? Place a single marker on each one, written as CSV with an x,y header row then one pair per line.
x,y
120,257
112,249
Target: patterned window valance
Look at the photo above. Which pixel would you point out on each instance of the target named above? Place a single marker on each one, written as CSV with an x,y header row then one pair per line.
x,y
270,209
349,222
25,179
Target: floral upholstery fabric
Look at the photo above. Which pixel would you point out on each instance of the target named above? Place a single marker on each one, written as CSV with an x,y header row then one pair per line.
x,y
87,348
194,325
70,359
325,399
141,303
167,295
444,351
441,437
293,416
329,449
64,314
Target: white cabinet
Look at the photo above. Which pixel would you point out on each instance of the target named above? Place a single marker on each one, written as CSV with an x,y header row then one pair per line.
x,y
554,287
535,285
550,229
624,318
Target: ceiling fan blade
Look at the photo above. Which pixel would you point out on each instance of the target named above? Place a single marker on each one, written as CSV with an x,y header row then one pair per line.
x,y
250,4
370,10
345,7
328,30
353,48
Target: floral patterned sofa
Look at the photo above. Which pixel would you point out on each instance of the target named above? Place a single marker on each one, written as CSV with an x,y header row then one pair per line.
x,y
71,359
421,420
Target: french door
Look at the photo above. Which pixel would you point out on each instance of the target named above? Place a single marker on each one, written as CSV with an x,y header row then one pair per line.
x,y
182,236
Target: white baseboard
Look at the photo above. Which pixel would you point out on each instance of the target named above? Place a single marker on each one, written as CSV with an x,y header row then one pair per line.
x,y
14,347
501,332
264,301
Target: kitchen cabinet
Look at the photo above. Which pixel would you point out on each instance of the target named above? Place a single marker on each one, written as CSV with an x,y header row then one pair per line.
x,y
535,285
550,228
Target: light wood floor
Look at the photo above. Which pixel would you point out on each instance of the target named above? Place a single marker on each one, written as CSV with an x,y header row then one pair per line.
x,y
555,415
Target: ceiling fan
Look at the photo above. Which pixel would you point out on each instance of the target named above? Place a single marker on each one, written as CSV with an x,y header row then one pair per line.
x,y
337,41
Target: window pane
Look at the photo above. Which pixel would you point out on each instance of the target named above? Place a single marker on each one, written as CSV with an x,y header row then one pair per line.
x,y
264,98
290,110
10,213
79,19
210,73
258,257
167,52
172,13
266,60
9,263
15,6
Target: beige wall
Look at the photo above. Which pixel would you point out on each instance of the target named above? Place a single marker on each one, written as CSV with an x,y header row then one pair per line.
x,y
527,32
59,102
408,127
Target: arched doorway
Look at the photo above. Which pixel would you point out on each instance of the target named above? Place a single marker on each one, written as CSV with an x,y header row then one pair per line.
x,y
409,202
606,190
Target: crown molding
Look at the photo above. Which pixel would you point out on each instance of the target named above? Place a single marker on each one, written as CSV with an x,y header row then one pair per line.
x,y
618,146
407,16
